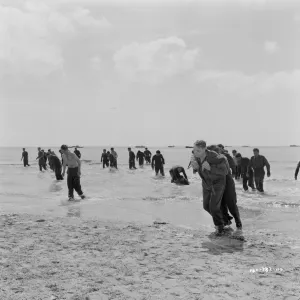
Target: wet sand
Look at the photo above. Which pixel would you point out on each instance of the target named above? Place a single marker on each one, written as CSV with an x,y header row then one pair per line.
x,y
50,257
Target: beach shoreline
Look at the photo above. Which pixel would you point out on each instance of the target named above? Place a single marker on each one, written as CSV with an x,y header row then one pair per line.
x,y
46,256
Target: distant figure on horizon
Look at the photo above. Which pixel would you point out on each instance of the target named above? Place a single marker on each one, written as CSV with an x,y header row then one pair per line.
x,y
105,159
131,159
257,163
25,158
140,156
158,162
176,177
41,158
297,170
114,160
148,155
77,152
74,172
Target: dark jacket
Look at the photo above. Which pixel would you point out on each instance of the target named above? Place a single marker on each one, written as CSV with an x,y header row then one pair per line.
x,y
25,154
131,156
140,155
245,161
259,162
54,161
157,160
231,163
104,157
77,152
218,170
147,153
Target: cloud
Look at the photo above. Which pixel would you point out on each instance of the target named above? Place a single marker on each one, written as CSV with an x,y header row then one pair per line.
x,y
155,61
271,47
247,85
31,36
96,62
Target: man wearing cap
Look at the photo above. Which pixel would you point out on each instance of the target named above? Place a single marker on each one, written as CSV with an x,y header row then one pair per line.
x,y
74,172
212,170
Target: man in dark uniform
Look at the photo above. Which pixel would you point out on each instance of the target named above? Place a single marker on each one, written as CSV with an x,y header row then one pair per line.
x,y
131,159
148,155
230,160
41,158
257,163
25,158
77,152
229,198
158,163
140,157
246,172
177,177
104,159
55,165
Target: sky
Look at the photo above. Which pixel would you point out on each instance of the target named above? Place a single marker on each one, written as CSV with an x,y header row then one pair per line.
x,y
165,72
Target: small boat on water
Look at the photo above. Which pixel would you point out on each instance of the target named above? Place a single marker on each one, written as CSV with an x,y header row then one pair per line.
x,y
294,146
189,147
140,146
171,146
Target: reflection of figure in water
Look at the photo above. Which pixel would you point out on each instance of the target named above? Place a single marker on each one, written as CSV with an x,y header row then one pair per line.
x,y
177,177
297,170
77,152
114,158
257,163
131,159
148,155
104,159
158,163
246,173
229,198
41,158
140,156
25,158
74,172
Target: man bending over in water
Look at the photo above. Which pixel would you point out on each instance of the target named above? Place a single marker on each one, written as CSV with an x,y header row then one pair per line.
x,y
177,177
74,172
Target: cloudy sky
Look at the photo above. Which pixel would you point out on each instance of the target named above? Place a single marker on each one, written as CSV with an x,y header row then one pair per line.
x,y
144,72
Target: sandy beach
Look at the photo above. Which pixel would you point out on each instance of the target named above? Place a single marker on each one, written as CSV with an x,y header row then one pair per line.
x,y
44,257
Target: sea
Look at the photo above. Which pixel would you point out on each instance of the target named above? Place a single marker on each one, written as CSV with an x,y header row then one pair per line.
x,y
140,196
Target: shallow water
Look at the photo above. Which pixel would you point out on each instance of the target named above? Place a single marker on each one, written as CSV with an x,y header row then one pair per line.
x,y
140,196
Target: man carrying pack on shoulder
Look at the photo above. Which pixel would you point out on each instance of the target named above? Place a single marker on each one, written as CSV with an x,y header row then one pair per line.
x,y
212,169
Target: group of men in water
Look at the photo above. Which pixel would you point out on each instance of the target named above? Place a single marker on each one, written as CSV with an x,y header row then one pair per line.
x,y
214,164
